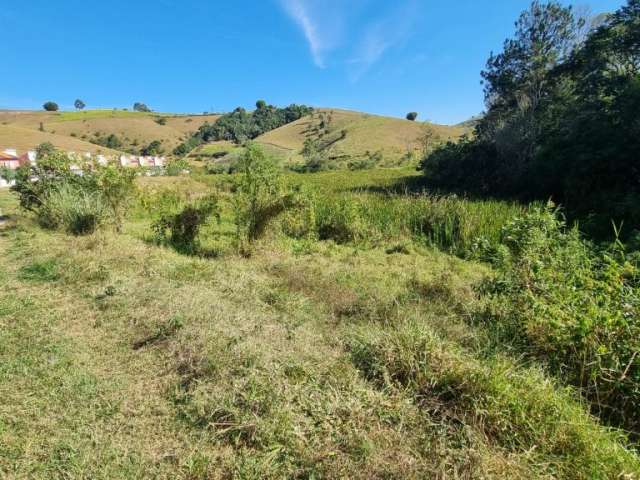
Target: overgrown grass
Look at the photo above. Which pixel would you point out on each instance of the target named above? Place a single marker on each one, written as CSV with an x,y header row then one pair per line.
x,y
351,357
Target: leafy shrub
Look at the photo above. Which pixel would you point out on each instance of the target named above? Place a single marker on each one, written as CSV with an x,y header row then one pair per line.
x,y
577,308
261,194
154,148
181,229
217,168
176,167
364,163
299,221
59,196
116,186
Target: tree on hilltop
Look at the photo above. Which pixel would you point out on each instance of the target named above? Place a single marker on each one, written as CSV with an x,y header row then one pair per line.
x,y
79,104
412,116
50,106
140,107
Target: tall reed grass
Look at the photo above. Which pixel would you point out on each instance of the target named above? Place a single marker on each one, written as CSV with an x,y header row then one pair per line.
x,y
450,223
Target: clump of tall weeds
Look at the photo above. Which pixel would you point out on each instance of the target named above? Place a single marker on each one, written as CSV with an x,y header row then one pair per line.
x,y
578,308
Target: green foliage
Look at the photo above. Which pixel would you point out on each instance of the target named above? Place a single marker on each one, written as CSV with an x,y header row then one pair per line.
x,y
116,186
176,167
187,146
412,116
370,160
140,107
316,158
561,119
516,408
240,125
154,148
44,149
50,106
7,174
77,210
60,197
40,271
181,229
110,141
260,194
79,104
576,308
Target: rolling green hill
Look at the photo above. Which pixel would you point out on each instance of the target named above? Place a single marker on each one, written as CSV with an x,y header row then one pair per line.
x,y
348,134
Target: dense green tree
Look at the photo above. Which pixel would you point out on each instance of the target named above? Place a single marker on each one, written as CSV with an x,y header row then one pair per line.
x,y
79,104
154,148
140,107
240,125
50,106
561,117
44,150
412,116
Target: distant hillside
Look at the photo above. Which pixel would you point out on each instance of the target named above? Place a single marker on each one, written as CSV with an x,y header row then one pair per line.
x,y
353,135
133,129
24,139
471,123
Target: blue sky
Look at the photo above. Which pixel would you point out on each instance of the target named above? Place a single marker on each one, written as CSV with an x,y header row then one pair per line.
x,y
380,56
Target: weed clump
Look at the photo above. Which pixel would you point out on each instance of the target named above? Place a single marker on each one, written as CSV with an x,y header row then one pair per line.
x,y
181,229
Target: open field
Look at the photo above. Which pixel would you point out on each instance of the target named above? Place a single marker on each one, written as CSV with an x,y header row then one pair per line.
x,y
342,357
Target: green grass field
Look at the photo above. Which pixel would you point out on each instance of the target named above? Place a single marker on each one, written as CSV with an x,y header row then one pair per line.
x,y
310,358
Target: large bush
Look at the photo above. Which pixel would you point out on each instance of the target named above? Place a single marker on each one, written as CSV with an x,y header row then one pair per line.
x,y
180,229
79,201
260,196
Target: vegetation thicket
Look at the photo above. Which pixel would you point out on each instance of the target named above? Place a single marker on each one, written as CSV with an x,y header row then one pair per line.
x,y
561,118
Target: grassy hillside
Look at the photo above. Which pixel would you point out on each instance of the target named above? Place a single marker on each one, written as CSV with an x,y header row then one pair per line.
x,y
133,129
396,139
334,356
23,139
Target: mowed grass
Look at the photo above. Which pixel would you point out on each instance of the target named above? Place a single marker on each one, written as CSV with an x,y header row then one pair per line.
x,y
310,359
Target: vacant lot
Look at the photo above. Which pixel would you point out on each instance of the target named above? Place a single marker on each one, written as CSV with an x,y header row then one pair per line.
x,y
348,357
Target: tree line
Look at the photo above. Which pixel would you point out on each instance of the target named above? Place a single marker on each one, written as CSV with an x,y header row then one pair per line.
x,y
240,125
561,120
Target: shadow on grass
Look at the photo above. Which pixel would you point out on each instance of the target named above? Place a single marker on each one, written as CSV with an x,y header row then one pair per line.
x,y
195,249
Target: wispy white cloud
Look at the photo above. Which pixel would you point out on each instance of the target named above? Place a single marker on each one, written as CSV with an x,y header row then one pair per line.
x,y
381,35
324,22
320,22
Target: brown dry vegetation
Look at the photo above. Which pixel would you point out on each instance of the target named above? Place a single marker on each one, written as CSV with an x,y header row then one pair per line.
x,y
74,130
